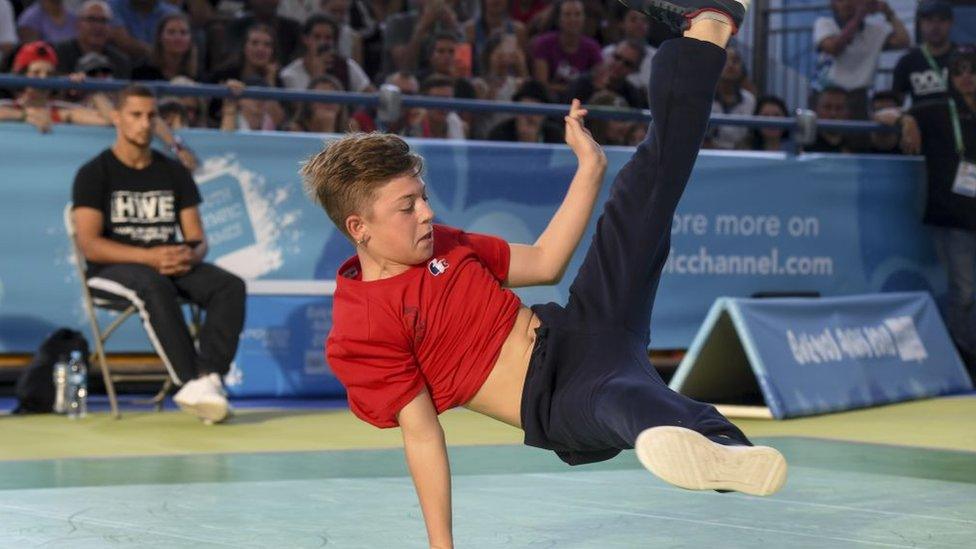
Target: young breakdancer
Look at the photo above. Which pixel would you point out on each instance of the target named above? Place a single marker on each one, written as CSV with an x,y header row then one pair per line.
x,y
423,322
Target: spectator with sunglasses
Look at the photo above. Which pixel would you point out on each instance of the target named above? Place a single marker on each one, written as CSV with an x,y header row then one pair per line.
x,y
634,26
94,19
35,106
614,76
945,133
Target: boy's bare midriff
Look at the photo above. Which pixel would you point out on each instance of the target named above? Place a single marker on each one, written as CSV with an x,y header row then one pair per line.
x,y
500,396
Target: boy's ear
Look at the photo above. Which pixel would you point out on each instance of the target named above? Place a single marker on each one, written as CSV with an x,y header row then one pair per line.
x,y
356,227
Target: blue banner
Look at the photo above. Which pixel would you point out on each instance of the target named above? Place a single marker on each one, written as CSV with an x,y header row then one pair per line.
x,y
281,349
812,356
749,222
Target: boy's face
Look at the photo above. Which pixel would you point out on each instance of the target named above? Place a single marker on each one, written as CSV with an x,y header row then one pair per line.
x,y
399,222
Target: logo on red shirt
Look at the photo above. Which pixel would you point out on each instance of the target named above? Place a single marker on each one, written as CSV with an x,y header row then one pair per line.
x,y
437,266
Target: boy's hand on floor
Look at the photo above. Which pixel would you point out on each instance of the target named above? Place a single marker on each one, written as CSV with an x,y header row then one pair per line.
x,y
578,137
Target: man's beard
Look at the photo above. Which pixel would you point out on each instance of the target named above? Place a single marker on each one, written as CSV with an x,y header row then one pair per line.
x,y
142,145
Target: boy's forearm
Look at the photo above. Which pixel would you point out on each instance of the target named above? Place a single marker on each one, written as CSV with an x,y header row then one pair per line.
x,y
565,230
431,471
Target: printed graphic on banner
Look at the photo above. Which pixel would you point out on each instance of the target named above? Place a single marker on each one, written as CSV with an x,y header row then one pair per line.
x,y
245,229
318,322
768,262
224,214
893,337
811,356
282,349
821,355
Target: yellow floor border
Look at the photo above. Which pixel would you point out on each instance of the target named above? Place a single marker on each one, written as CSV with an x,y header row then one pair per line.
x,y
945,423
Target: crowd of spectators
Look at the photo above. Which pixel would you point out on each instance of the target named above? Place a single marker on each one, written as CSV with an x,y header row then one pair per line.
x,y
543,51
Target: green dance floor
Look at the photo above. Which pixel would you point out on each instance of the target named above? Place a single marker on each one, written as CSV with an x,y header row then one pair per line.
x,y
839,494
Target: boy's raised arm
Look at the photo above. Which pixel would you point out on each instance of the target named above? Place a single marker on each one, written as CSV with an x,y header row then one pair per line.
x,y
426,451
545,261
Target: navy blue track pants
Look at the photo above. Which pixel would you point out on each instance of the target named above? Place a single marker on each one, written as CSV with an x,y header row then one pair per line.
x,y
590,388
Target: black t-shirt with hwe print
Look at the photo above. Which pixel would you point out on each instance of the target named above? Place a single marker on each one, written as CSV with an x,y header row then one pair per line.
x,y
139,207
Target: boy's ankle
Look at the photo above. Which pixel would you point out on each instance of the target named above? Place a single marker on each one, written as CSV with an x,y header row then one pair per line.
x,y
711,26
711,15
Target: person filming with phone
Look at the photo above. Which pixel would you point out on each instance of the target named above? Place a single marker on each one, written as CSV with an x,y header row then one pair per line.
x,y
321,58
850,44
139,228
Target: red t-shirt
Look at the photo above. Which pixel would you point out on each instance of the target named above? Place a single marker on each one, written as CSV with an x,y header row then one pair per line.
x,y
440,324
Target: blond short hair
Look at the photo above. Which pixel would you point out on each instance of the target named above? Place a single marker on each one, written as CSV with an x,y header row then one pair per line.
x,y
343,177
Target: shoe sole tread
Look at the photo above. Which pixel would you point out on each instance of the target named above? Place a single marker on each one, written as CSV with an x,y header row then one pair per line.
x,y
689,460
209,412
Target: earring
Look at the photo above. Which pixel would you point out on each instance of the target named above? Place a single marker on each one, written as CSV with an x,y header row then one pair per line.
x,y
361,241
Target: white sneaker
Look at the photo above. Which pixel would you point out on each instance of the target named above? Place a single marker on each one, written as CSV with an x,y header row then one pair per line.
x,y
215,380
188,394
689,460
200,398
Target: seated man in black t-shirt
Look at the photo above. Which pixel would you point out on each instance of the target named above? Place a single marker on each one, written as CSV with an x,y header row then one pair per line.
x,y
132,206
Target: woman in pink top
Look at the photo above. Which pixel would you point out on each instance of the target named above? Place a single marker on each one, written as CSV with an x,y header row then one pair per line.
x,y
559,56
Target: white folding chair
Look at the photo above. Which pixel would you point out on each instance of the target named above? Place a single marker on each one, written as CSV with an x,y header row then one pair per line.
x,y
125,309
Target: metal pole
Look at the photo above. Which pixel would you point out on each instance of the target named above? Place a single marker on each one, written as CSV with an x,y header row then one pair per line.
x,y
760,37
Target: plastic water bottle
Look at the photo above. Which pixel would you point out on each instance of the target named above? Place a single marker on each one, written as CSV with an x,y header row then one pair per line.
x,y
77,386
60,378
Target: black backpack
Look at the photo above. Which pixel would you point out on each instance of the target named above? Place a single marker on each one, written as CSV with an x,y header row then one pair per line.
x,y
35,386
